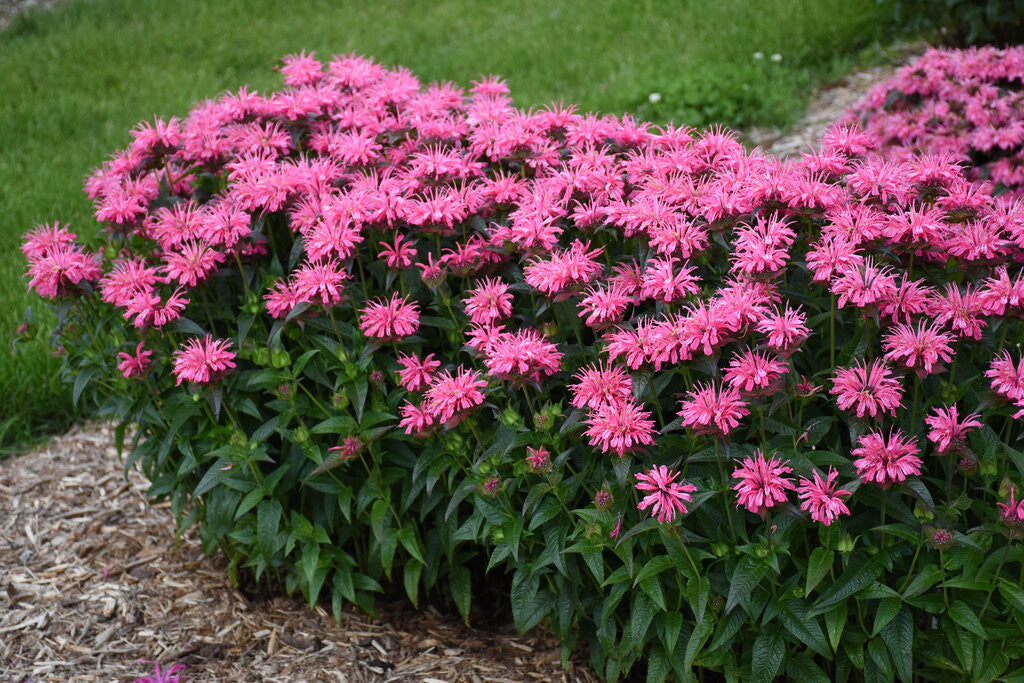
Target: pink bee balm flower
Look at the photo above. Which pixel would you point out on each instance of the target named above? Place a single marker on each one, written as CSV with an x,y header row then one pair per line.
x,y
886,461
948,431
870,390
390,319
320,281
60,269
711,410
44,238
415,373
348,449
1012,513
753,372
490,301
620,427
865,284
762,483
597,385
604,305
785,329
921,348
415,420
449,396
202,361
822,498
522,355
666,497
398,254
1007,377
134,366
539,459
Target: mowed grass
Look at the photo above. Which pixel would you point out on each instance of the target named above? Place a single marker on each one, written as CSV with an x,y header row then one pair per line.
x,y
75,80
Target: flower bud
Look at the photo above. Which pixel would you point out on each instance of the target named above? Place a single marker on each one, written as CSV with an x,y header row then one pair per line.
x,y
498,535
342,354
988,467
301,434
846,544
941,539
491,487
377,377
340,401
510,417
603,499
720,549
922,513
280,359
967,466
261,356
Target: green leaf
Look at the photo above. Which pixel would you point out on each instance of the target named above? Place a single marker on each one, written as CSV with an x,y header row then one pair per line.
x,y
835,622
860,574
309,560
769,651
82,381
268,519
411,579
747,575
925,579
695,644
654,566
817,567
459,583
697,591
1013,594
898,635
796,621
884,613
641,617
964,616
880,656
670,624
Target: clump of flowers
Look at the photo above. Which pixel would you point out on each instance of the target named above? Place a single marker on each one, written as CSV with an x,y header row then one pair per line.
x,y
373,332
953,105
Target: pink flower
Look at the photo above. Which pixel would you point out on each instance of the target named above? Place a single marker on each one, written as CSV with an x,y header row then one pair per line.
x,y
870,390
711,410
662,281
522,355
564,270
61,270
620,428
449,397
921,348
785,329
320,281
539,459
192,263
349,448
754,372
762,483
822,498
597,385
490,301
1012,513
390,319
604,305
665,497
202,361
415,373
948,431
886,460
415,420
864,284
45,238
134,366
399,254
1007,377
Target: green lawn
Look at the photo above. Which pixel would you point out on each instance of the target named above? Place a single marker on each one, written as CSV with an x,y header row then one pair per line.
x,y
73,81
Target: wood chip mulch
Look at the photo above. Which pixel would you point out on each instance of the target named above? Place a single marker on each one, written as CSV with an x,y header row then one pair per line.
x,y
93,580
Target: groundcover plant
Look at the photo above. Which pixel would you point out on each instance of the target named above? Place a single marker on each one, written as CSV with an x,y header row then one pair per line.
x,y
968,104
703,409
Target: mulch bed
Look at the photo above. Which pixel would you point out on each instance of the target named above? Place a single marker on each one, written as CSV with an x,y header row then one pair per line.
x,y
93,580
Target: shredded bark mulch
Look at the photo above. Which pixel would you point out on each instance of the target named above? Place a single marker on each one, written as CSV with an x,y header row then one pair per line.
x,y
93,580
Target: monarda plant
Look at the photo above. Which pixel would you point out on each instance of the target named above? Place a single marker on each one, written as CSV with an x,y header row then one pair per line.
x,y
968,104
696,409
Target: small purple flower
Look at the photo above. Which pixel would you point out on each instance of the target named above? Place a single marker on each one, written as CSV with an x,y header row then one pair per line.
x,y
169,676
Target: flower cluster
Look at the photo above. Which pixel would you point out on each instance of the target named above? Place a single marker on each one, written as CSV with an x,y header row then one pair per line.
x,y
436,295
966,106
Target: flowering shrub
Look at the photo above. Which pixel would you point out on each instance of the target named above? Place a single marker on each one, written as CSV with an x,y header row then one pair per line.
x,y
968,104
702,407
